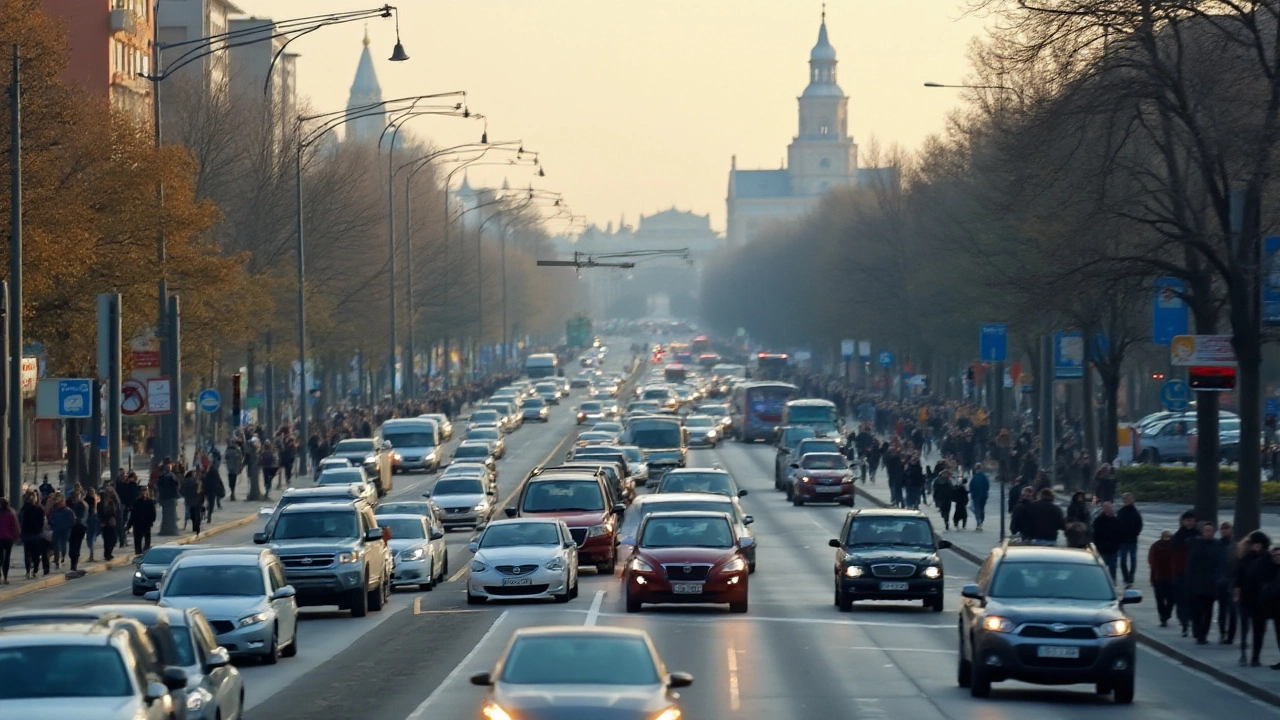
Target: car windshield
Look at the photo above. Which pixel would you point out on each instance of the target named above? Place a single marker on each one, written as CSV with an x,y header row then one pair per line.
x,y
519,534
812,414
483,434
699,422
62,671
890,530
564,496
1051,581
579,660
609,427
642,510
162,555
181,635
595,435
546,388
806,447
471,451
533,403
234,580
824,461
403,508
697,482
292,526
339,477
409,439
714,409
404,528
708,532
484,416
658,437
590,407
353,446
458,486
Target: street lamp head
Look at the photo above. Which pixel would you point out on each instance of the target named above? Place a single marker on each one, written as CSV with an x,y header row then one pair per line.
x,y
934,84
543,173
398,54
484,138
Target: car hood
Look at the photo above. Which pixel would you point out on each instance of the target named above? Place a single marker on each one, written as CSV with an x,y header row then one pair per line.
x,y
581,702
354,455
313,546
103,708
573,519
890,554
459,500
218,607
153,569
404,544
824,474
679,555
522,555
1067,612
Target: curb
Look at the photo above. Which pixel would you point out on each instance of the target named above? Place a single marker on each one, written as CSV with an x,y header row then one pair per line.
x,y
1213,671
55,580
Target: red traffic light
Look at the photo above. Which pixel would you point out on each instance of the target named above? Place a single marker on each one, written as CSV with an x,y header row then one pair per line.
x,y
1157,376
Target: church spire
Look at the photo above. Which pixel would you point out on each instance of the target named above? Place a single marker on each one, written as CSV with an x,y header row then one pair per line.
x,y
365,90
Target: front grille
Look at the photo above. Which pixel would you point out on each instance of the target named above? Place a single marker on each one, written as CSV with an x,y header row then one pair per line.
x,y
457,511
579,535
1027,655
516,589
515,569
221,627
1066,633
681,572
893,570
412,459
307,562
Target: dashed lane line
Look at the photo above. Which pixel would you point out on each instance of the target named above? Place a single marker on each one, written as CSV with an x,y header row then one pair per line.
x,y
421,710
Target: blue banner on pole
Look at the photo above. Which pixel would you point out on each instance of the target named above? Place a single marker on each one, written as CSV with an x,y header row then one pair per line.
x,y
993,342
1068,355
1271,281
1169,315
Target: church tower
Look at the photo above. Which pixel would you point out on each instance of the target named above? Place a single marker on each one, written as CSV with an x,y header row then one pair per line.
x,y
366,91
822,155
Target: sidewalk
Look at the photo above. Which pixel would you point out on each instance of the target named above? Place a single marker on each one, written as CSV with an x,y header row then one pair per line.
x,y
232,515
1219,661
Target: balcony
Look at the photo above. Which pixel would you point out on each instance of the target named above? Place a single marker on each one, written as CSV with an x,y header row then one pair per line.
x,y
125,21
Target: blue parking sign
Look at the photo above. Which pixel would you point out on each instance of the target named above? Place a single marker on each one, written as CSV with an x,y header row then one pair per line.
x,y
75,398
993,342
886,359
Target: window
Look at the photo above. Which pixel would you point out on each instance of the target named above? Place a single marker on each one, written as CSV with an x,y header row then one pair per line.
x,y
824,163
824,130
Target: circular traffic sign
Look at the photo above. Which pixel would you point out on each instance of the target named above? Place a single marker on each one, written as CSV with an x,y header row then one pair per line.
x,y
210,400
886,359
133,397
1176,395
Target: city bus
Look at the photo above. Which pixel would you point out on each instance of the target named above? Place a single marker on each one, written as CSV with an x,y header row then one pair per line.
x,y
675,373
756,409
771,366
700,345
821,415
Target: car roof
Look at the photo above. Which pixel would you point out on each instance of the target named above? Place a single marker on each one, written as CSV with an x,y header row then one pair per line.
x,y
816,402
335,490
401,516
695,471
317,507
145,613
662,498
690,514
1048,553
211,559
474,443
822,455
73,632
175,546
888,512
563,474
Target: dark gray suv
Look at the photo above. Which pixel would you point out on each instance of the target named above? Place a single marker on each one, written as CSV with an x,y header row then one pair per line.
x,y
1046,615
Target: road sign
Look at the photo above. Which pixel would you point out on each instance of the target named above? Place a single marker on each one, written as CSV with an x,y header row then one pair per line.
x,y
993,342
1068,355
1272,407
1176,395
886,359
1202,351
846,349
133,397
864,350
210,400
75,398
1169,316
159,396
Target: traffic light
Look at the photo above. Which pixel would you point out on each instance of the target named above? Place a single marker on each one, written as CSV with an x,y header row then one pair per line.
x,y
1157,376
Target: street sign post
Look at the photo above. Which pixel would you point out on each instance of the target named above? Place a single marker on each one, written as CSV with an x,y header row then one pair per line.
x,y
64,398
1175,395
886,359
846,349
1169,316
1068,355
993,342
210,400
864,350
159,396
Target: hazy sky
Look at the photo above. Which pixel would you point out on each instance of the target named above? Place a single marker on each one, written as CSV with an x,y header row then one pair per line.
x,y
638,105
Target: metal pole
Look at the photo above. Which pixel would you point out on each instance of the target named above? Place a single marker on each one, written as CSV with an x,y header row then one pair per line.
x,y
506,349
412,389
391,251
270,373
113,386
303,396
1046,404
15,283
95,435
475,360
178,403
14,489
165,443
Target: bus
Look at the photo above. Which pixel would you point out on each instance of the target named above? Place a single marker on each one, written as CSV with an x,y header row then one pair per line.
x,y
700,345
541,365
771,366
821,415
675,373
680,353
756,409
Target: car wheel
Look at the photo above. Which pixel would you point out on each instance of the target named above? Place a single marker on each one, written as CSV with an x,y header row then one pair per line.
x,y
430,584
567,595
796,500
359,603
474,599
573,592
738,607
1124,691
979,681
606,567
378,597
751,567
844,600
273,651
139,592
292,649
934,604
964,671
444,568
1102,688
633,605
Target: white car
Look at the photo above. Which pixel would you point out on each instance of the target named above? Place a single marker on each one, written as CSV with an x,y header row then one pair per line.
x,y
523,558
418,546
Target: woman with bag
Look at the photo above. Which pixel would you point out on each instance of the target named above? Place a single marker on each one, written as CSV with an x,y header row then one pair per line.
x,y
141,519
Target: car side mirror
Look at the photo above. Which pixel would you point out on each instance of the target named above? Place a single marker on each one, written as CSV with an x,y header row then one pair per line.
x,y
748,519
437,535
285,592
944,544
569,544
679,680
137,560
174,678
794,466
746,542
152,596
619,508
1131,597
833,542
260,538
743,493
218,657
156,691
511,512
426,494
481,679
372,534
473,547
972,592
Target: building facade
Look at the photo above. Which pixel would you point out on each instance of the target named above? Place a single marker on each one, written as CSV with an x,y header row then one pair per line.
x,y
188,20
109,50
821,157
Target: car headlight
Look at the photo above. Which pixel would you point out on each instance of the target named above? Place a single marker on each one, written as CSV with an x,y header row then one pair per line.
x,y
493,711
349,557
596,531
397,456
806,479
853,571
139,576
477,566
254,619
197,699
734,565
1115,628
668,714
640,565
933,572
711,433
413,554
481,507
995,623
555,564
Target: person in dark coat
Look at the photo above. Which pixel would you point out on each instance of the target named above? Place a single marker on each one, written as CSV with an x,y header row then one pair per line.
x,y
1228,613
234,459
1186,532
1267,578
1018,505
141,519
1106,537
1248,591
960,498
943,496
1160,560
193,499
979,490
213,491
913,482
1130,529
32,522
1044,519
1078,509
1204,567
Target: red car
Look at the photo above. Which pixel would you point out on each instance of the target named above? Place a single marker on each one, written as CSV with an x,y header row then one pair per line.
x,y
583,503
822,477
687,557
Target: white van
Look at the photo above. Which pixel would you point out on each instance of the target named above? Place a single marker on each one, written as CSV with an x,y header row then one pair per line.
x,y
542,365
415,444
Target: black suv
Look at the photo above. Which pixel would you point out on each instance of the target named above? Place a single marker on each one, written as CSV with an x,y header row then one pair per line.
x,y
888,554
1047,615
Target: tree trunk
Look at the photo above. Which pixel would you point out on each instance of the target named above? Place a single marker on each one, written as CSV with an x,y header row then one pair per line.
x,y
1088,416
1110,443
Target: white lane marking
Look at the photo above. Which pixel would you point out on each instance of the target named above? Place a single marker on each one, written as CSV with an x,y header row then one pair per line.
x,y
594,612
421,710
735,701
874,648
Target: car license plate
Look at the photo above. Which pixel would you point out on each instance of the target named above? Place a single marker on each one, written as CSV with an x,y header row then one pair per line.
x,y
1057,651
823,489
687,588
516,581
894,586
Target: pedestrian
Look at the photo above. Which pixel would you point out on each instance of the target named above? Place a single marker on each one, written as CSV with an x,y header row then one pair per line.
x,y
192,500
1268,601
288,455
1160,561
1130,529
213,491
913,482
1255,554
109,513
1228,614
79,528
1187,531
252,464
1018,513
1204,567
1078,509
33,523
1106,537
1044,520
270,464
9,534
896,469
1105,483
61,520
93,524
46,489
142,518
233,458
960,498
943,492
126,494
979,490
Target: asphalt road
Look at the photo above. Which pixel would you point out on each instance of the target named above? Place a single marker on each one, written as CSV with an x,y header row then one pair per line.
x,y
792,656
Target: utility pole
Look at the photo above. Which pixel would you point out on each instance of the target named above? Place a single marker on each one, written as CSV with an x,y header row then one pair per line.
x,y
14,313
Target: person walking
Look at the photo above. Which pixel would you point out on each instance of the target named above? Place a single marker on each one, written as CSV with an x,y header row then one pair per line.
x,y
126,495
270,464
1160,562
192,500
979,491
943,490
142,518
1106,537
33,522
1228,614
234,459
213,491
79,528
252,464
61,520
897,472
93,524
1078,509
1180,542
1268,580
913,482
9,534
109,513
1255,549
1130,529
960,498
1044,519
287,456
1204,567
